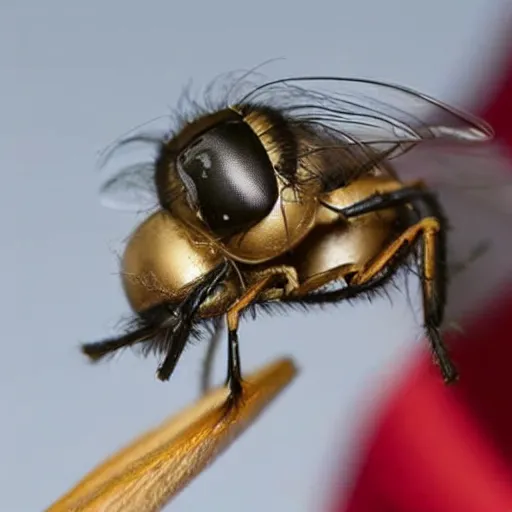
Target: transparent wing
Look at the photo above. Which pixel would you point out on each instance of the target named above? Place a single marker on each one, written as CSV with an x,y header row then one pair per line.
x,y
132,189
481,174
390,118
452,149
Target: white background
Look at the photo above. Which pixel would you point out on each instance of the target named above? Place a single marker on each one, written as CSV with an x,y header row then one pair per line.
x,y
73,77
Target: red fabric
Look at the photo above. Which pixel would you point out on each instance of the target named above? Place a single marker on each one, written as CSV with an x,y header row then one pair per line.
x,y
449,449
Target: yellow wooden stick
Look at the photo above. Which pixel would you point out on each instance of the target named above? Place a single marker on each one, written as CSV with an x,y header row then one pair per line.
x,y
145,475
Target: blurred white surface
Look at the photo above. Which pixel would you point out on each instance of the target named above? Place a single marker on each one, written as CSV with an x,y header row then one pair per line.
x,y
75,77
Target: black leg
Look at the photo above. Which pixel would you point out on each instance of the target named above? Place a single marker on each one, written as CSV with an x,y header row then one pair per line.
x,y
100,349
178,337
380,201
213,344
234,377
164,328
432,260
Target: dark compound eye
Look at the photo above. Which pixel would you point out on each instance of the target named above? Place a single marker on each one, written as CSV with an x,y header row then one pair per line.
x,y
229,177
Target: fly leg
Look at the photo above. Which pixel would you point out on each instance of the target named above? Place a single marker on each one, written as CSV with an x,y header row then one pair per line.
x,y
182,321
428,233
164,327
211,351
275,277
433,286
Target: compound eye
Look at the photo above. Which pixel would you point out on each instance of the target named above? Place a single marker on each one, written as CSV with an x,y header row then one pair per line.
x,y
228,177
